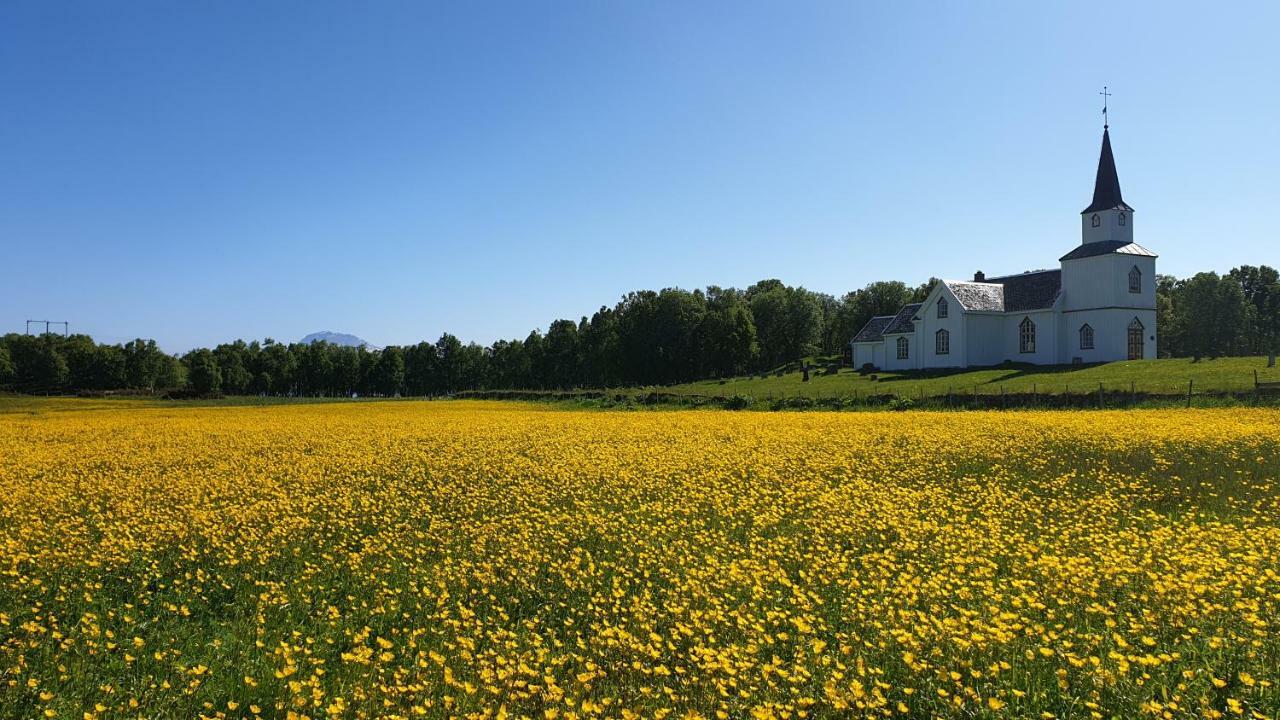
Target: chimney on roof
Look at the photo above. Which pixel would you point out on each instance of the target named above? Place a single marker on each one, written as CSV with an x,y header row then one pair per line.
x,y
979,276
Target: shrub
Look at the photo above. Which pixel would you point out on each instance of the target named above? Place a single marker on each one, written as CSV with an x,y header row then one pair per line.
x,y
901,403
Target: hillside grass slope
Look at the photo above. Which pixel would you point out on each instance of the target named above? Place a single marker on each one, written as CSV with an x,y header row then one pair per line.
x,y
1170,376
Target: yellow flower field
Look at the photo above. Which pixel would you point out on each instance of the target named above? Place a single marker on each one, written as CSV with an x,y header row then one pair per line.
x,y
408,559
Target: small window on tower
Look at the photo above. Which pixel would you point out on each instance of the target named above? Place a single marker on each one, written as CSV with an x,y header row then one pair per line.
x,y
1135,280
1096,220
1121,219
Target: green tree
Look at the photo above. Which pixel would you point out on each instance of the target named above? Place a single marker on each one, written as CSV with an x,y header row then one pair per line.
x,y
7,369
390,371
143,363
562,350
1214,313
728,333
1261,288
1169,318
449,356
203,372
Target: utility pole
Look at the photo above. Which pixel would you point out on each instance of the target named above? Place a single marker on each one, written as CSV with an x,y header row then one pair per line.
x,y
66,327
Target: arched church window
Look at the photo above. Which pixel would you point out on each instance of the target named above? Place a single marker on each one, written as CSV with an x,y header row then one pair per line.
x,y
1086,337
1096,220
1135,280
1121,219
1135,339
942,342
942,308
902,348
1026,336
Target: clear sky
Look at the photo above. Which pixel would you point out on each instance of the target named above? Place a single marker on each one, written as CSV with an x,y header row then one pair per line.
x,y
196,172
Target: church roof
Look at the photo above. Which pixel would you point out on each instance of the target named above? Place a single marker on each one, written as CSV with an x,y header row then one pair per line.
x,y
901,322
980,296
873,331
1106,186
1106,247
1035,290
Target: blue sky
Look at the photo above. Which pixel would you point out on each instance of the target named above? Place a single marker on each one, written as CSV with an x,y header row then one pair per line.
x,y
196,172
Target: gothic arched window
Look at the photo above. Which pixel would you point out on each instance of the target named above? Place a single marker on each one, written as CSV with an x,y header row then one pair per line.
x,y
903,348
942,308
1135,280
1121,219
1096,220
1135,339
942,342
1026,336
1086,337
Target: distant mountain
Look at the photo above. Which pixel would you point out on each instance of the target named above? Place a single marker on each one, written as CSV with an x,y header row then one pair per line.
x,y
334,338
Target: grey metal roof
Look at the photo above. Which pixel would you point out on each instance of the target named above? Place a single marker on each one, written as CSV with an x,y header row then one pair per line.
x,y
873,331
901,322
981,296
1035,290
1106,247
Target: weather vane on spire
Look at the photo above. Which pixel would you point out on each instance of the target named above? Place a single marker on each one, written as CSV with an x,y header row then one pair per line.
x,y
1104,95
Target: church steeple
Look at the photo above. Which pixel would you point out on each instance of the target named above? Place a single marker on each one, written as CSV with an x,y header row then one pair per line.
x,y
1106,186
1108,218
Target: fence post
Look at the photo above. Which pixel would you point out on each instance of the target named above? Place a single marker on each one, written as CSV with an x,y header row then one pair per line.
x,y
1035,396
1133,395
1190,385
1099,396
1004,400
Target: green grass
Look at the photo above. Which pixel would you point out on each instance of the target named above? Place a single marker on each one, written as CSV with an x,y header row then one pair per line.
x,y
1149,376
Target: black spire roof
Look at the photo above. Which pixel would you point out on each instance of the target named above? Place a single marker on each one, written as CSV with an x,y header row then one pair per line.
x,y
1106,188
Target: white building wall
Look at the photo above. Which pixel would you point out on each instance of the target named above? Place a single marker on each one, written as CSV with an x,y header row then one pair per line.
x,y
1110,334
1046,349
1096,291
868,354
1103,281
929,325
1112,225
891,361
984,339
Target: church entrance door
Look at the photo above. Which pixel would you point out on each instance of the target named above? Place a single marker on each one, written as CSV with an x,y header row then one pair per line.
x,y
1135,340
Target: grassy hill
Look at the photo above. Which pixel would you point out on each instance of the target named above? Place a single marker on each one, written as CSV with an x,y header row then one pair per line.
x,y
1150,376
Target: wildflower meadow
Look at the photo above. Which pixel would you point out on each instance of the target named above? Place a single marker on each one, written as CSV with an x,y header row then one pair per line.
x,y
488,560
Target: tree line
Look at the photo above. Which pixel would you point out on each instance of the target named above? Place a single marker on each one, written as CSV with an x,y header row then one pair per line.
x,y
647,338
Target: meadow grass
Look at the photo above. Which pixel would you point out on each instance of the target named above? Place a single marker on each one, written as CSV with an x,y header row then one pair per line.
x,y
1168,376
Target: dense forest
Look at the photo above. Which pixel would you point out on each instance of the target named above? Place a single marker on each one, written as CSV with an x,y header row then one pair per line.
x,y
647,338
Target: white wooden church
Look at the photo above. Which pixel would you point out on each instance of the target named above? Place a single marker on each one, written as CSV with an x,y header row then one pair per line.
x,y
1099,306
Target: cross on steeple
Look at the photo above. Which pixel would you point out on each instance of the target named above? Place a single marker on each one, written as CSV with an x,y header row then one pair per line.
x,y
1104,95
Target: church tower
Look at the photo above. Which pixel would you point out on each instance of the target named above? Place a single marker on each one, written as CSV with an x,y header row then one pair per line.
x,y
1108,281
1108,217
